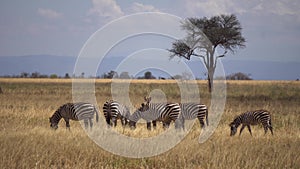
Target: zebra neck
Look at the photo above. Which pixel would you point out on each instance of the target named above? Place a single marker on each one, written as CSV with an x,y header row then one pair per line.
x,y
56,116
136,116
237,121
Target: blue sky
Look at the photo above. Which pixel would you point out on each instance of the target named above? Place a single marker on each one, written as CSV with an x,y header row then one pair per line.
x,y
61,27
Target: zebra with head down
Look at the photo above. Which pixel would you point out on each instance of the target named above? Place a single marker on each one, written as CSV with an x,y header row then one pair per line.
x,y
251,118
74,111
152,112
113,111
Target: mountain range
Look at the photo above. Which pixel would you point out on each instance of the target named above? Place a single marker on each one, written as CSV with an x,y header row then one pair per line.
x,y
60,65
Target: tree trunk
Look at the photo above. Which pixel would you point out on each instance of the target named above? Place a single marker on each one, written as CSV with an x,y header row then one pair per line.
x,y
210,79
210,70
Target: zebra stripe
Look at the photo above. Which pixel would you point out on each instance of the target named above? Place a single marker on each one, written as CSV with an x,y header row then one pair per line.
x,y
74,111
252,118
164,112
113,111
190,111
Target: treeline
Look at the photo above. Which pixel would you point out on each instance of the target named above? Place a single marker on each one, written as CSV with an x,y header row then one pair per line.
x,y
124,75
36,75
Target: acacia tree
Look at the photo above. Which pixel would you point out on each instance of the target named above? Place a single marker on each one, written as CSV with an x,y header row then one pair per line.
x,y
204,36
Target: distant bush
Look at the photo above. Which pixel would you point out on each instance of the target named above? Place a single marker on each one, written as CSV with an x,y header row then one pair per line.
x,y
239,76
53,76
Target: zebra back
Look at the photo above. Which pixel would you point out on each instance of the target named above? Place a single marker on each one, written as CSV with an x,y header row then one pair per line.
x,y
252,118
114,110
74,111
80,111
190,111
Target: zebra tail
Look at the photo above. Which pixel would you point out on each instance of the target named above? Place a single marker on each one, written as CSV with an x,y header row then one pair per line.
x,y
206,116
108,117
97,116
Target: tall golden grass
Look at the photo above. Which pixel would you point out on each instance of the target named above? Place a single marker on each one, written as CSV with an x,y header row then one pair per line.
x,y
28,142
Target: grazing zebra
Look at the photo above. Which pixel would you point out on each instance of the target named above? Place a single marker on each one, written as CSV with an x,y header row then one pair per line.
x,y
113,111
164,112
141,113
252,118
74,111
190,111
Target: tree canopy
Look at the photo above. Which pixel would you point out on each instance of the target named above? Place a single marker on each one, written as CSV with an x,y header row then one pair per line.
x,y
205,35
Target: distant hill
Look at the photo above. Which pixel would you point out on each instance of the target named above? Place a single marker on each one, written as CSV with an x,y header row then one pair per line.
x,y
44,64
60,65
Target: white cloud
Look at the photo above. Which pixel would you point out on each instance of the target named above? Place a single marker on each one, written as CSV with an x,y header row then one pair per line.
x,y
279,7
215,7
49,13
106,8
138,7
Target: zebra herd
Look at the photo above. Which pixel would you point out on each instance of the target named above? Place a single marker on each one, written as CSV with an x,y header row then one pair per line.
x,y
153,112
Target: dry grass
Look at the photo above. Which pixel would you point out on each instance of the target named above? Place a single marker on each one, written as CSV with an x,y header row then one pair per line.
x,y
27,141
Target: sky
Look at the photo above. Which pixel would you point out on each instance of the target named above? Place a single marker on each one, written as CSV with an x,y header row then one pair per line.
x,y
62,27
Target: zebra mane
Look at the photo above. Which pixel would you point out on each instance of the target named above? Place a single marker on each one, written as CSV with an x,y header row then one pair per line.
x,y
56,117
136,115
236,121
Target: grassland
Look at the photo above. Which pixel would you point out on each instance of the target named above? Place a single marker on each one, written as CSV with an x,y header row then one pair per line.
x,y
27,141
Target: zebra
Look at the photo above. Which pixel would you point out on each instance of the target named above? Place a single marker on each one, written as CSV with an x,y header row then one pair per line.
x,y
74,111
190,111
164,112
113,111
141,113
252,118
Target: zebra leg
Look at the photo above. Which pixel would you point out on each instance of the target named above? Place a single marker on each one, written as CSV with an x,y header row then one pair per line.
x,y
270,126
126,121
154,124
86,123
243,126
114,122
166,124
67,123
271,129
249,128
91,123
148,125
179,123
201,122
108,121
123,121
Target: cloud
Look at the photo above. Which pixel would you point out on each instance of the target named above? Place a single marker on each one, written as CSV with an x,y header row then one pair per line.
x,y
105,8
138,7
215,7
49,13
279,7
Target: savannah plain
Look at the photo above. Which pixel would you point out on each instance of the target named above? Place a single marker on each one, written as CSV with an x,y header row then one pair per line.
x,y
27,141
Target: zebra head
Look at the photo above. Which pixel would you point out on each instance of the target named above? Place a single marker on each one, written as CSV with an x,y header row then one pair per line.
x,y
53,123
145,105
132,124
135,117
233,129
